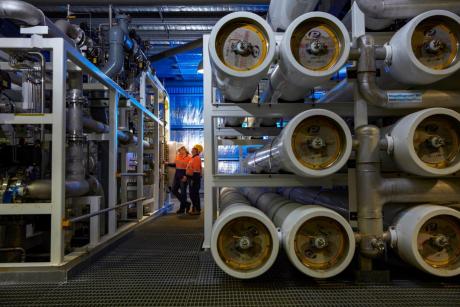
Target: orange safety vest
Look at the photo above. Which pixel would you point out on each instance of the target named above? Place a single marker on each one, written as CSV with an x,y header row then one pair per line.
x,y
194,166
182,161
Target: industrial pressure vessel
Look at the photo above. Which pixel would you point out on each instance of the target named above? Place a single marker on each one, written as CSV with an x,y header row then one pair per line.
x,y
318,241
314,47
241,46
427,143
426,49
428,237
315,143
244,241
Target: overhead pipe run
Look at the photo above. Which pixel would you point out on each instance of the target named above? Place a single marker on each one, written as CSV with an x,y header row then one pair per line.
x,y
244,242
318,241
281,13
315,143
241,47
148,2
30,15
402,9
428,237
176,50
314,47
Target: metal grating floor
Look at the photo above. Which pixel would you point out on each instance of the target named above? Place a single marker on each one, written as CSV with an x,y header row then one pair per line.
x,y
162,265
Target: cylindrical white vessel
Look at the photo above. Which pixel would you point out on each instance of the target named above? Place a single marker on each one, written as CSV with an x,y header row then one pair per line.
x,y
315,143
244,241
427,143
318,241
281,12
426,49
314,47
428,237
241,47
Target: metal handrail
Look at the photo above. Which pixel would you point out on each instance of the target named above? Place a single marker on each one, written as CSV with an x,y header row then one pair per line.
x,y
89,215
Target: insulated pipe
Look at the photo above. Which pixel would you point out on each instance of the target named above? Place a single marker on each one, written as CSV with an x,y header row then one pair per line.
x,y
374,95
314,47
74,32
402,9
241,47
319,242
75,159
281,13
22,11
315,143
428,237
427,143
124,138
148,3
30,15
116,52
244,242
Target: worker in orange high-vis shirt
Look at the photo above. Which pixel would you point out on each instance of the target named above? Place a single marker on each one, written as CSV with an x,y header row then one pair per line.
x,y
179,188
194,171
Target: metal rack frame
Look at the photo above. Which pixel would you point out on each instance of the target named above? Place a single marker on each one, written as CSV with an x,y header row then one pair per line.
x,y
214,110
64,57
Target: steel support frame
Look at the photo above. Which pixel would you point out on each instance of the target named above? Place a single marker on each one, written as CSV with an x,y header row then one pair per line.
x,y
214,110
61,52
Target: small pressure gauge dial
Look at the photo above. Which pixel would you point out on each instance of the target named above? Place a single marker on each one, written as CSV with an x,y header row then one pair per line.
x,y
437,141
318,142
435,42
438,242
321,243
316,44
244,244
242,45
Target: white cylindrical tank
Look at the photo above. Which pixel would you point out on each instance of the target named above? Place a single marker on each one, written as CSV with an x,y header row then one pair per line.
x,y
314,47
428,237
244,241
315,143
426,49
241,46
427,143
281,12
318,241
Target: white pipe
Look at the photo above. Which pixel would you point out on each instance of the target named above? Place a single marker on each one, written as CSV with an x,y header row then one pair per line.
x,y
427,143
281,12
244,242
315,143
428,237
241,47
315,46
418,58
401,9
318,241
